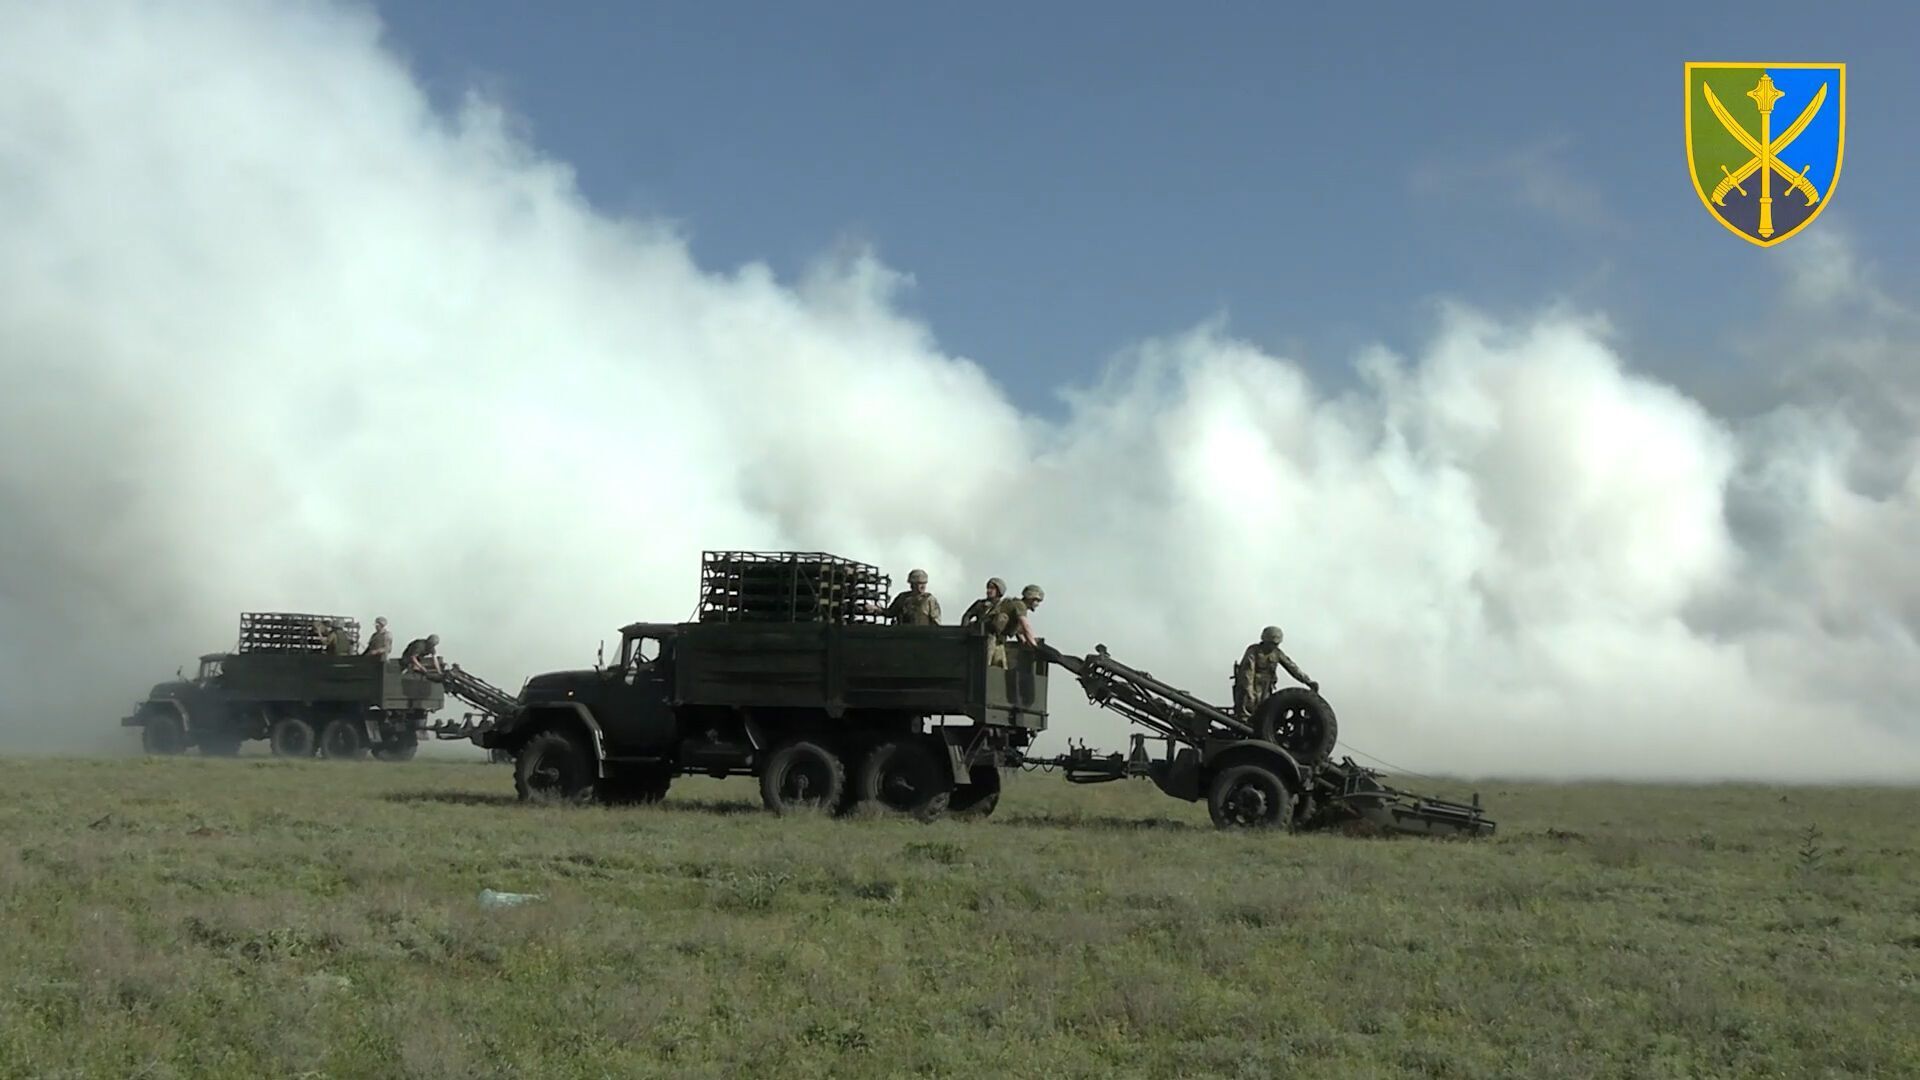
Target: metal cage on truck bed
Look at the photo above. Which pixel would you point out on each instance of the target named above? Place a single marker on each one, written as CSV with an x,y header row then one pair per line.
x,y
284,632
789,587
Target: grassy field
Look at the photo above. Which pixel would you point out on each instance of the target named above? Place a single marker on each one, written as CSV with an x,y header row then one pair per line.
x,y
259,918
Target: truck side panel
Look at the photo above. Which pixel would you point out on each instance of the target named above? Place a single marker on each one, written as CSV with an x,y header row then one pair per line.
x,y
318,677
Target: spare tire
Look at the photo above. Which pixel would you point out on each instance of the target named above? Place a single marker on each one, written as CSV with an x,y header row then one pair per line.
x,y
1300,722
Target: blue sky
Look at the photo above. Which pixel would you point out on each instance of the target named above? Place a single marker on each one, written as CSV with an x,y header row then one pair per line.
x,y
1063,180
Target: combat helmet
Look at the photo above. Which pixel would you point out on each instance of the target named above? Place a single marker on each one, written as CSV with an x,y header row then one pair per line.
x,y
1033,592
1270,636
917,577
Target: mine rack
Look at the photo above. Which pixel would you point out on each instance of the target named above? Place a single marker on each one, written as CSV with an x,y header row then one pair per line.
x,y
790,586
284,631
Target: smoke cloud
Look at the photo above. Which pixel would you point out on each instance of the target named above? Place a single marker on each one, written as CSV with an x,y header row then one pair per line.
x,y
277,335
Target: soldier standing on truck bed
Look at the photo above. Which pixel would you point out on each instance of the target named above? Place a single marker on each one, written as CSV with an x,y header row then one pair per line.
x,y
916,606
419,654
1254,676
380,643
333,640
1010,620
979,609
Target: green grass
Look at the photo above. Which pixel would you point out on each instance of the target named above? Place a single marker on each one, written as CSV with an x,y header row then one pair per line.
x,y
259,918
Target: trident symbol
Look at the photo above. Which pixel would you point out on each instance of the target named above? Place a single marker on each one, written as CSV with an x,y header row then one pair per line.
x,y
1765,150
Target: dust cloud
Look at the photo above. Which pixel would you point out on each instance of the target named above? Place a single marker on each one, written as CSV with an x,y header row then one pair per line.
x,y
278,335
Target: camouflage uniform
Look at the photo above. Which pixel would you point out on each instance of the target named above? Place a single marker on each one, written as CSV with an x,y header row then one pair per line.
x,y
914,609
380,642
334,641
1003,624
1258,670
977,611
422,650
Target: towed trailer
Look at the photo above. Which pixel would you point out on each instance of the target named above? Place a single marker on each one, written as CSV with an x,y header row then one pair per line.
x,y
1273,772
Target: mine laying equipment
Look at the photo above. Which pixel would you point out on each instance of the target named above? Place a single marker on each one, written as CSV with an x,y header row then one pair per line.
x,y
787,675
1272,772
280,684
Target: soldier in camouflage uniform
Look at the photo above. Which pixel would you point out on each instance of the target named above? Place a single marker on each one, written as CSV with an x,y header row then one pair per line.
x,y
979,608
1010,620
916,606
420,654
1254,676
380,642
333,640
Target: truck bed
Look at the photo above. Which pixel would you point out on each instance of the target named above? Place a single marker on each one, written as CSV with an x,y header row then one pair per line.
x,y
262,676
924,670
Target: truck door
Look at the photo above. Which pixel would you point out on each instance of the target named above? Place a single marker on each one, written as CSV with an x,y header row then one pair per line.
x,y
639,722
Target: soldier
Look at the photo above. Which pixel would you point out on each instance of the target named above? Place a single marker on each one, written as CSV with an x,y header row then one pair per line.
x,y
916,606
1012,620
380,642
1254,676
419,654
333,640
979,608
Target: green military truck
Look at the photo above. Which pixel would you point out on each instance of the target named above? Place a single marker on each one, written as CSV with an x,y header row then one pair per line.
x,y
280,686
788,677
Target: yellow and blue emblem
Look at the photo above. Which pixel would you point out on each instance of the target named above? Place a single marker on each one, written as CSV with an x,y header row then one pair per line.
x,y
1764,143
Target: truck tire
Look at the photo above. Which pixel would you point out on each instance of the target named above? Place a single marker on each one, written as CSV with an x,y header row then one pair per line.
x,y
163,734
1250,797
291,736
802,775
979,798
343,740
906,777
553,768
1300,722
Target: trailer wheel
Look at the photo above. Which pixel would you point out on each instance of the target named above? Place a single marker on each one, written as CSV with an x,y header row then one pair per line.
x,y
163,735
1300,722
291,736
979,798
552,768
905,776
802,775
343,740
1250,797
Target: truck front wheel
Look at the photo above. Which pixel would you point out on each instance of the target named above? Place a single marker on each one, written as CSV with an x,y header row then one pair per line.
x,y
802,775
553,768
162,734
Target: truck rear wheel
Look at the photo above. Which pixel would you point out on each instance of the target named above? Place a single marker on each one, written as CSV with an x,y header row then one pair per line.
x,y
553,768
291,736
979,798
1300,722
343,740
163,734
802,775
907,777
1250,797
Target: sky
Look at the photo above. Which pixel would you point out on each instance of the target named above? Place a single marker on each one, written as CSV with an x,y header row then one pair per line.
x,y
490,324
1062,180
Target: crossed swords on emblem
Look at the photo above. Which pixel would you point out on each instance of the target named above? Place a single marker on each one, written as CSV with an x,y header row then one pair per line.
x,y
1765,151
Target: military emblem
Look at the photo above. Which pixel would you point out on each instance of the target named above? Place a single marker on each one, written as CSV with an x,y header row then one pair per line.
x,y
1764,143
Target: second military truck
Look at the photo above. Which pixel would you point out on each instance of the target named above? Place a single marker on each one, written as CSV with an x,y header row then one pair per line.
x,y
788,676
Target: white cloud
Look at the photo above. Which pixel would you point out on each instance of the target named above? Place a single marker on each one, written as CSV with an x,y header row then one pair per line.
x,y
278,336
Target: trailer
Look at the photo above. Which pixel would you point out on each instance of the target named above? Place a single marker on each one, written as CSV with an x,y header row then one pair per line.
x,y
1274,772
279,685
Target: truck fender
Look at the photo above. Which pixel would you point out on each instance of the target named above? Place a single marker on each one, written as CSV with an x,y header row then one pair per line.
x,y
160,703
574,709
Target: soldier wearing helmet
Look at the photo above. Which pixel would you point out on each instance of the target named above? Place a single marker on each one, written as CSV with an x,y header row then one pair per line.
x,y
1010,620
980,608
916,606
380,642
333,639
420,654
1254,676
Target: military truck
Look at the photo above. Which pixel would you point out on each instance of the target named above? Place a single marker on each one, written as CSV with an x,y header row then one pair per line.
x,y
279,686
788,677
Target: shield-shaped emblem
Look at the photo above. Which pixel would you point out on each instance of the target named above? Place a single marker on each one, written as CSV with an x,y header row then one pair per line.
x,y
1764,143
